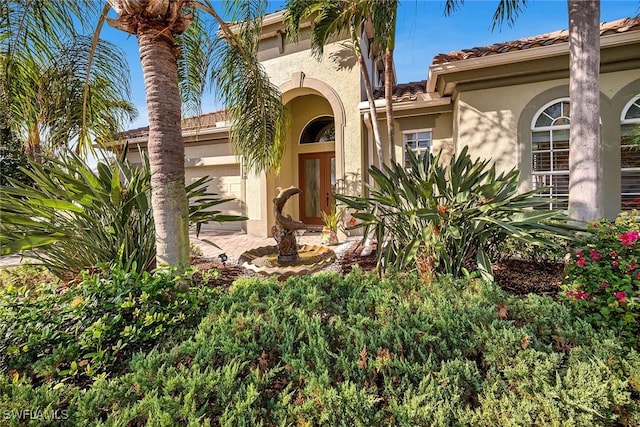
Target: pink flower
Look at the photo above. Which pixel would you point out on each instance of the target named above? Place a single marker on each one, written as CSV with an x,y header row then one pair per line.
x,y
620,296
613,255
632,266
579,255
629,238
616,264
605,284
595,255
581,262
578,294
638,275
583,295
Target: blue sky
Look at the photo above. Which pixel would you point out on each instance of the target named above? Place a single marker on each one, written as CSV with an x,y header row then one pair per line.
x,y
422,32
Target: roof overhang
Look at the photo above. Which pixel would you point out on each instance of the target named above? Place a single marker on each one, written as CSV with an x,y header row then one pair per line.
x,y
215,132
437,81
423,100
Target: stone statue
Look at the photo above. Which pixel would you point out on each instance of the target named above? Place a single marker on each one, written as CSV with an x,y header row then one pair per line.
x,y
284,230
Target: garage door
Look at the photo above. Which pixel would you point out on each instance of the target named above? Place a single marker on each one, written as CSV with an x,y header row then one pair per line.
x,y
226,182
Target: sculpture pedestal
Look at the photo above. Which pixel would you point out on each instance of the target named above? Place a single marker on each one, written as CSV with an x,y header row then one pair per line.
x,y
266,261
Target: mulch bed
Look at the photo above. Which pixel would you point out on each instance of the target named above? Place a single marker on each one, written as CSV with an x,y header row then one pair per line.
x,y
523,277
228,272
352,257
518,277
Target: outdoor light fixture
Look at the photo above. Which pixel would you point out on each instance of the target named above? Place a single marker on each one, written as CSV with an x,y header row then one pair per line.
x,y
223,258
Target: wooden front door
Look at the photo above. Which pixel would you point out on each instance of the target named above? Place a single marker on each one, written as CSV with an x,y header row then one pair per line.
x,y
318,183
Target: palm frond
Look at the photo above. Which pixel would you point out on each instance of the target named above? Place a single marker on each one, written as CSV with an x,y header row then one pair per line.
x,y
41,24
196,50
507,10
254,104
295,12
451,6
330,18
383,17
63,88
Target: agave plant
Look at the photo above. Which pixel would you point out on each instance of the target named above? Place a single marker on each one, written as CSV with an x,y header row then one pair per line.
x,y
446,215
73,217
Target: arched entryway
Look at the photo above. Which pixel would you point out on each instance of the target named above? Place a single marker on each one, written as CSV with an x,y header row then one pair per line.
x,y
314,155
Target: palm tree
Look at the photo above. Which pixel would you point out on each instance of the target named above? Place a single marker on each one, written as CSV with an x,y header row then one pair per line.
x,y
332,18
46,98
166,41
384,15
584,97
46,90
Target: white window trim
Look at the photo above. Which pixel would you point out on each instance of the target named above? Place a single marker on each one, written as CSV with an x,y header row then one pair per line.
x,y
414,131
308,123
623,122
541,110
533,128
626,108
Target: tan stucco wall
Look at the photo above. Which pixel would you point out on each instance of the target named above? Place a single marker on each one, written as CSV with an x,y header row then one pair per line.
x,y
495,123
440,124
294,70
213,158
345,82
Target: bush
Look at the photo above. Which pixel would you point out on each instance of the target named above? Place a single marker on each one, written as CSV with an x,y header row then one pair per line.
x,y
603,282
93,327
326,350
323,350
29,276
73,217
444,218
501,248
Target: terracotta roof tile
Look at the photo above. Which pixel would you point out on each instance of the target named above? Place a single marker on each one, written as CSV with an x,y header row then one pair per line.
x,y
404,91
205,121
562,36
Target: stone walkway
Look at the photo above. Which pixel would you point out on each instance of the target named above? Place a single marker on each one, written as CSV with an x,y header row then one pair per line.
x,y
231,243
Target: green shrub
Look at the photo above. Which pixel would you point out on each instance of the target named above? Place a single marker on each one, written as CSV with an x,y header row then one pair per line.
x,y
323,350
326,350
23,404
93,327
501,248
444,218
72,217
603,282
25,275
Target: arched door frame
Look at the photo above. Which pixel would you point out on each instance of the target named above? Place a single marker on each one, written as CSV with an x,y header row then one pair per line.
x,y
291,89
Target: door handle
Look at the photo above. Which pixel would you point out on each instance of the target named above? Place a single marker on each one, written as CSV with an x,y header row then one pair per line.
x,y
327,203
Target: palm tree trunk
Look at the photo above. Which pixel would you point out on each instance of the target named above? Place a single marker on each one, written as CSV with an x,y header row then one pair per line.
x,y
584,94
158,56
388,85
388,95
369,90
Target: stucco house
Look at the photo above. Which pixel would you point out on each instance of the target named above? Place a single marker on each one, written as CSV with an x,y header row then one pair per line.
x,y
507,102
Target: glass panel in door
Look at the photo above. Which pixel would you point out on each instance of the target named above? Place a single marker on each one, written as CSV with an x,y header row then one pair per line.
x,y
318,183
311,188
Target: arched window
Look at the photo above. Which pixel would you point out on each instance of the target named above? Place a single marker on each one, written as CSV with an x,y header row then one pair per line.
x,y
550,151
630,154
321,129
